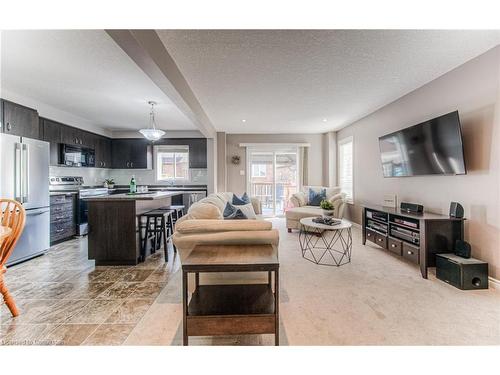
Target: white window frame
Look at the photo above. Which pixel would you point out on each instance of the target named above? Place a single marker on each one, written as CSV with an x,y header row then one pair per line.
x,y
173,149
260,169
341,142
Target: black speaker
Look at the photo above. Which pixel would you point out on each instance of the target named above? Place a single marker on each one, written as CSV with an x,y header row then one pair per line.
x,y
456,210
465,274
412,208
462,249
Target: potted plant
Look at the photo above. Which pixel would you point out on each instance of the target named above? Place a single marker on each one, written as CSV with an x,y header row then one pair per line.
x,y
109,183
327,207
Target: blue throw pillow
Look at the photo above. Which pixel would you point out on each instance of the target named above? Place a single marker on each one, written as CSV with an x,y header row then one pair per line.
x,y
233,213
241,201
315,198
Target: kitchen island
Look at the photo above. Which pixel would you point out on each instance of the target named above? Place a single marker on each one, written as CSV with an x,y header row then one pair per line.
x,y
114,238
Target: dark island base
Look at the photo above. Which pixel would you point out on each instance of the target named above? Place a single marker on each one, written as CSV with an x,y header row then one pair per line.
x,y
113,238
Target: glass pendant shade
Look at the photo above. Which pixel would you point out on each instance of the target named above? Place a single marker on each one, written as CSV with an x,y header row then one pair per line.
x,y
152,133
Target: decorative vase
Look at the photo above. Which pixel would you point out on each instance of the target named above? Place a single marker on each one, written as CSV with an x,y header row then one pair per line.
x,y
111,186
327,213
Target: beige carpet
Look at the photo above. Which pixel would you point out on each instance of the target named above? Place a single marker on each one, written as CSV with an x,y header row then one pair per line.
x,y
377,299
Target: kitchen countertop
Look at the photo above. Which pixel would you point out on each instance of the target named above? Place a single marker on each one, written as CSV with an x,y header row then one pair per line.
x,y
135,197
167,187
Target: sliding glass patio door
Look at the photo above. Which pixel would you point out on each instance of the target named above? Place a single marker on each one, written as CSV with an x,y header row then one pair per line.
x,y
272,176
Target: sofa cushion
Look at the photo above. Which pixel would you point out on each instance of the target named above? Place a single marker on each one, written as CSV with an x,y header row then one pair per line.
x,y
216,226
204,210
336,197
300,197
315,197
240,201
298,213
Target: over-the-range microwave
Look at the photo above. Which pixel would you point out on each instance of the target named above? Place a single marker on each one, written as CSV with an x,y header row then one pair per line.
x,y
76,156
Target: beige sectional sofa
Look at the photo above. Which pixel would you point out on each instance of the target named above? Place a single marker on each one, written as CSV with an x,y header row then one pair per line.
x,y
301,208
204,224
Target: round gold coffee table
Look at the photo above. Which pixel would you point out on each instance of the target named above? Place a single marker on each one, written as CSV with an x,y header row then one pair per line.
x,y
327,245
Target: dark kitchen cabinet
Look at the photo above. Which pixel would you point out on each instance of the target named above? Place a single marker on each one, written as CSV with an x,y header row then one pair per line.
x,y
20,120
133,153
74,136
62,217
197,153
102,152
70,135
51,132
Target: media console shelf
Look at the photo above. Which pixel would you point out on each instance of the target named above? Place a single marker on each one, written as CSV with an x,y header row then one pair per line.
x,y
417,238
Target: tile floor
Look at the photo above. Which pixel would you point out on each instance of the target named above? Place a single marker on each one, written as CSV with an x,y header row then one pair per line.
x,y
377,299
65,300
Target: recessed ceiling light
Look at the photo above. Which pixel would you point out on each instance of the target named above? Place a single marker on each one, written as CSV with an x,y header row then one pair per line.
x,y
325,120
243,120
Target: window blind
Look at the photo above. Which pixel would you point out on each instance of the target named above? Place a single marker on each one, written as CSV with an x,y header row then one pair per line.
x,y
346,167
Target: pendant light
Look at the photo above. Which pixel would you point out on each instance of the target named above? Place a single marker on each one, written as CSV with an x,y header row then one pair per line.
x,y
151,133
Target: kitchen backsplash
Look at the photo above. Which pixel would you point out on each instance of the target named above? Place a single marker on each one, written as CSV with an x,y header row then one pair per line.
x,y
91,176
147,177
96,176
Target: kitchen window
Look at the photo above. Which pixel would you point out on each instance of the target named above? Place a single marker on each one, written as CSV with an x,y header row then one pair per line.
x,y
346,162
172,163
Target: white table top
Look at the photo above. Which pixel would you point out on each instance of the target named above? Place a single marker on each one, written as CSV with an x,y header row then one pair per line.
x,y
307,221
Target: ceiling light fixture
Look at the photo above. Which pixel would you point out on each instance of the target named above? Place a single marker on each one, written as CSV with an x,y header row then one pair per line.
x,y
151,133
243,120
325,120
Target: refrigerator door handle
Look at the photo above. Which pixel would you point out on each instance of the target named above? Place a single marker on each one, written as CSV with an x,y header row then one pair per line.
x,y
37,212
17,173
25,180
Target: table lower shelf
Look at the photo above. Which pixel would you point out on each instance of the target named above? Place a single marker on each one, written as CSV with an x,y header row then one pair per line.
x,y
233,299
231,310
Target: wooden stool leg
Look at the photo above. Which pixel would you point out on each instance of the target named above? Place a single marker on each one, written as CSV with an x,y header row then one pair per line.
x,y
9,301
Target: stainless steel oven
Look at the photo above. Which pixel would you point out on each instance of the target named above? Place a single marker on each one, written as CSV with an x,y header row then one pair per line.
x,y
76,156
72,183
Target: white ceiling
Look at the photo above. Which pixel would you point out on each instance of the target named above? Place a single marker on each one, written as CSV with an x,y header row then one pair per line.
x,y
284,81
85,73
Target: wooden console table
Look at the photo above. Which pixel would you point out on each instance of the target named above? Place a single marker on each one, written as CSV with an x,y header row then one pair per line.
x,y
418,238
235,309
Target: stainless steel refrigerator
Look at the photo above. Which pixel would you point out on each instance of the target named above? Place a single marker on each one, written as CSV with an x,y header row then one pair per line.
x,y
24,176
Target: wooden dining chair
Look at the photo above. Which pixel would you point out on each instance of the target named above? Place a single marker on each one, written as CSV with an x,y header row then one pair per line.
x,y
13,216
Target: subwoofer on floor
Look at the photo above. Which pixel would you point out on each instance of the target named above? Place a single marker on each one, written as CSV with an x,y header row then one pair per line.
x,y
462,273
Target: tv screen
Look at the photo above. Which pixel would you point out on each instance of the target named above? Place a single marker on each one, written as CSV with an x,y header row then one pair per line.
x,y
432,147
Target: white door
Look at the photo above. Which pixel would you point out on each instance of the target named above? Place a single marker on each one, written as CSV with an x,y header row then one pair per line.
x,y
272,176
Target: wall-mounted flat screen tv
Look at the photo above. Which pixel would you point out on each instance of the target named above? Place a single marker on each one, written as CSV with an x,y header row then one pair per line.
x,y
433,147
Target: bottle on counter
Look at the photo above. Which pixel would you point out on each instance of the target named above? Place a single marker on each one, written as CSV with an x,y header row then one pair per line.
x,y
133,185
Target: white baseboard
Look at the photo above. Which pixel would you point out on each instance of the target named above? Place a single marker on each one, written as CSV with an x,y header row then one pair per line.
x,y
494,283
356,225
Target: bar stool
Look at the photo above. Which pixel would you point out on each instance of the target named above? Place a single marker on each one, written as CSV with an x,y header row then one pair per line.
x,y
178,210
158,226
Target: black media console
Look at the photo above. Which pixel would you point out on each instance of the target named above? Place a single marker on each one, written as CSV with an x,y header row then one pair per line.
x,y
417,238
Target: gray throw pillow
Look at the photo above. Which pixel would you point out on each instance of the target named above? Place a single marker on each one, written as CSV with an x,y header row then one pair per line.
x,y
233,213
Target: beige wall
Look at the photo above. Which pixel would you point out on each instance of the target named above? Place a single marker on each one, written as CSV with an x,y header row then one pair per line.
x,y
221,161
473,89
237,183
